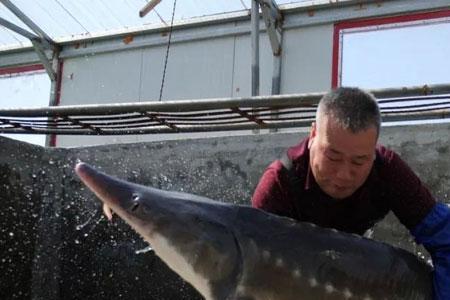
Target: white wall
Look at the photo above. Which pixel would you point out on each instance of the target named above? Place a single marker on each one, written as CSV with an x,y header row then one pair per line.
x,y
206,68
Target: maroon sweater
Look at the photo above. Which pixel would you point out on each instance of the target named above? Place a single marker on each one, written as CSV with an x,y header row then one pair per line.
x,y
391,185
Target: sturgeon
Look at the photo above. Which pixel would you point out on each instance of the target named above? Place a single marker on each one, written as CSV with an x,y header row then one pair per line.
x,y
237,252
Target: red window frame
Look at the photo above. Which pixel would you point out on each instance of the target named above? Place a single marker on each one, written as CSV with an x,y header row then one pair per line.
x,y
21,69
361,23
33,68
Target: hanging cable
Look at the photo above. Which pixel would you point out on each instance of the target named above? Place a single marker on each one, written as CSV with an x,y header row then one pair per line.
x,y
167,50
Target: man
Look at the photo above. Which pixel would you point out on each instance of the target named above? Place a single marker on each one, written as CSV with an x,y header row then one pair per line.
x,y
338,177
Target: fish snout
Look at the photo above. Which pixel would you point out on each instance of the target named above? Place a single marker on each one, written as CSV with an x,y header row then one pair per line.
x,y
111,191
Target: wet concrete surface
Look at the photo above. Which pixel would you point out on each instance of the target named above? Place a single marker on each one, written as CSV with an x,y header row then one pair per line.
x,y
55,244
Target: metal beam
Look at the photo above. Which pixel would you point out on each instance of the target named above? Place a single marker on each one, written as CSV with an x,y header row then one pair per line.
x,y
17,29
40,43
276,77
40,51
273,27
22,57
295,16
275,101
193,30
306,122
55,87
255,47
274,20
272,6
24,18
148,7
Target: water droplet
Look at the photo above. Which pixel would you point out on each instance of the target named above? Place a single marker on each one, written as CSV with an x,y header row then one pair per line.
x,y
145,250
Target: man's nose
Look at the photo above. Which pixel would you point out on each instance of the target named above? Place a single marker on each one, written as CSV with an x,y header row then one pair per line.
x,y
344,172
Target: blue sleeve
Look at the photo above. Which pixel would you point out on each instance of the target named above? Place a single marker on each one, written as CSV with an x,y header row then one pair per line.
x,y
434,234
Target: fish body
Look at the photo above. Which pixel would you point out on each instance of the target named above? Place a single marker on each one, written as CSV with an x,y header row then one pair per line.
x,y
230,251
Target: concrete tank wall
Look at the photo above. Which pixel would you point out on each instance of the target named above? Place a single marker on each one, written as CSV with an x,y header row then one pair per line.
x,y
56,245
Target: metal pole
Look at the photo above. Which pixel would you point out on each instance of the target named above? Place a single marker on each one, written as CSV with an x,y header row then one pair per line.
x,y
305,122
276,77
255,47
53,101
40,51
275,101
54,88
148,7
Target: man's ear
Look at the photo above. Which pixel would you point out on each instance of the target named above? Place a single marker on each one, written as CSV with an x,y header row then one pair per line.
x,y
312,133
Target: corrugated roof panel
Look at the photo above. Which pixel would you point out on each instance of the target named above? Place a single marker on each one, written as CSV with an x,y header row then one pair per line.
x,y
62,19
8,37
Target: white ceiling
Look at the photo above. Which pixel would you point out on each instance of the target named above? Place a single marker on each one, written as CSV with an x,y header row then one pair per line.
x,y
68,19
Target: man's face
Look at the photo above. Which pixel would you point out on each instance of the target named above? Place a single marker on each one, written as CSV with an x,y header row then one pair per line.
x,y
340,160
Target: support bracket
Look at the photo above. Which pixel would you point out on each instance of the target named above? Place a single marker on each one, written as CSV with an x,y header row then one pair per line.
x,y
40,40
273,18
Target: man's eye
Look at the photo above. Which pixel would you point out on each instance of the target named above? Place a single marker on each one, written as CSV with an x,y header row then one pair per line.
x,y
333,158
358,163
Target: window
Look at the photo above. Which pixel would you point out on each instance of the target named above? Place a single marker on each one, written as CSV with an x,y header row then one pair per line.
x,y
393,52
25,87
401,51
